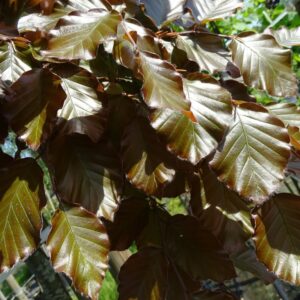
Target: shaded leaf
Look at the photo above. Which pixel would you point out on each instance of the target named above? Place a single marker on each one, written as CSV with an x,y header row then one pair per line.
x,y
286,37
146,162
72,41
85,173
277,238
82,111
241,161
294,133
238,90
32,106
208,52
264,64
144,276
79,246
205,11
13,62
163,87
216,295
129,221
197,252
288,113
22,197
163,10
221,211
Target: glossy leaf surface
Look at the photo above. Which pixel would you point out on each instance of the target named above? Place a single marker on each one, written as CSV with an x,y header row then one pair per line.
x,y
286,37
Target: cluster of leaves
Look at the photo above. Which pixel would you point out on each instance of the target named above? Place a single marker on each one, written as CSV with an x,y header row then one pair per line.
x,y
124,111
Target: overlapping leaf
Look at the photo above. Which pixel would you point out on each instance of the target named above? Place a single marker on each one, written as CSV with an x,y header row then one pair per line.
x,y
207,51
277,236
294,133
205,11
82,111
32,106
194,135
145,160
79,246
264,64
21,199
289,113
86,173
80,34
216,295
86,5
241,161
13,61
163,87
286,37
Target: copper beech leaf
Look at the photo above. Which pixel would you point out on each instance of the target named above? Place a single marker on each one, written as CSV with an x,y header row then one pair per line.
x,y
32,105
162,85
288,113
215,295
144,276
277,236
241,161
221,211
286,37
194,135
209,10
163,10
86,173
207,51
146,162
196,250
264,64
80,33
21,199
82,111
86,5
79,247
294,133
13,61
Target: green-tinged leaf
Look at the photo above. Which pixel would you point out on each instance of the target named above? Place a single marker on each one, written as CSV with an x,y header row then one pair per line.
x,y
144,276
209,10
288,113
32,106
130,219
146,162
21,199
163,87
286,37
216,295
86,5
79,247
13,61
264,64
294,133
36,21
246,260
207,51
221,211
277,236
196,250
163,10
241,161
86,173
82,111
194,135
80,33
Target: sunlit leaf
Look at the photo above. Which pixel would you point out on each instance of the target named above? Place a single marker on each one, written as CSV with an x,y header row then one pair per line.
x,y
13,62
286,37
32,106
163,87
79,246
196,250
241,160
144,276
86,173
146,162
277,236
21,199
86,5
264,64
80,34
289,113
294,133
209,10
